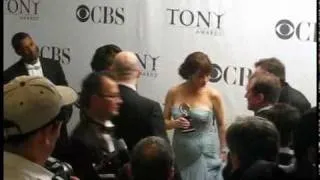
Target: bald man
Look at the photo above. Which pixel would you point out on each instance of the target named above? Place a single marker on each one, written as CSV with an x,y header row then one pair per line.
x,y
139,117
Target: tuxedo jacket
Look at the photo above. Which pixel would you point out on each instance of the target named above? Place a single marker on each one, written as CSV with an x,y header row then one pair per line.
x,y
294,98
53,71
89,147
139,117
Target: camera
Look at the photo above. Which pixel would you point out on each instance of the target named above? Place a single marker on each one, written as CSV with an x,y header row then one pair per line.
x,y
111,162
61,170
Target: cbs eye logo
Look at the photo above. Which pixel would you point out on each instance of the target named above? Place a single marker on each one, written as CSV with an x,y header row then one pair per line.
x,y
216,73
284,29
101,14
231,75
304,31
83,13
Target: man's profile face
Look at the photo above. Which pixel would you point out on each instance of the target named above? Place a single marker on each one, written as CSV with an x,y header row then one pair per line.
x,y
109,98
28,50
251,96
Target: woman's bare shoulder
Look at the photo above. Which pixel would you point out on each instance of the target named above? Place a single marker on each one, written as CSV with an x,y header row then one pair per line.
x,y
173,90
214,93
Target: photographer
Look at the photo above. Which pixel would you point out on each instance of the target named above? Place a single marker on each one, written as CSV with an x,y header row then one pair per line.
x,y
32,122
95,153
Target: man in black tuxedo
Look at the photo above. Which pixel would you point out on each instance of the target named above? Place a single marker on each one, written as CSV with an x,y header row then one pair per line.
x,y
288,94
285,117
139,116
33,65
262,92
96,154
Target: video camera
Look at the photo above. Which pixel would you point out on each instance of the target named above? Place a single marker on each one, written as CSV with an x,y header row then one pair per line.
x,y
61,170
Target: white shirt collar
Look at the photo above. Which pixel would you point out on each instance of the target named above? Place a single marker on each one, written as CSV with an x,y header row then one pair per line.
x,y
34,69
264,108
128,85
17,166
106,137
106,123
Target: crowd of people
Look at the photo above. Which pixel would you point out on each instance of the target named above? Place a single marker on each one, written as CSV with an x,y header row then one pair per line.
x,y
122,134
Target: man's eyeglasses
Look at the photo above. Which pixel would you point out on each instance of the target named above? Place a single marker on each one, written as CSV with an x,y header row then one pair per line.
x,y
113,96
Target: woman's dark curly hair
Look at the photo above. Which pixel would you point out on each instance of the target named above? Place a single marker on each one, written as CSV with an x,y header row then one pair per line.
x,y
195,62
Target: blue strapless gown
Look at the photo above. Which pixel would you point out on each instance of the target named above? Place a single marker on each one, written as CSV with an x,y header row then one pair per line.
x,y
198,153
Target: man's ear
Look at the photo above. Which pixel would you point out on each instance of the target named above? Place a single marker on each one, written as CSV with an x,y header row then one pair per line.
x,y
93,100
53,128
260,97
139,72
44,136
18,52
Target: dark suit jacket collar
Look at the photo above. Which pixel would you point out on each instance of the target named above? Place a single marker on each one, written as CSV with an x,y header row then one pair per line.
x,y
22,70
45,68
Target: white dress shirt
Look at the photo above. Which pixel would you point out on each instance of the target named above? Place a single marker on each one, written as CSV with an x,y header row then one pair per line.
x,y
16,167
107,138
35,69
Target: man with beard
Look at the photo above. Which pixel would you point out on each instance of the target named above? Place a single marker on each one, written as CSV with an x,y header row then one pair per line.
x,y
33,65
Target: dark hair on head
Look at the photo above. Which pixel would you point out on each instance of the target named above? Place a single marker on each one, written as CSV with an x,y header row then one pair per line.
x,y
152,158
195,62
306,134
104,57
91,85
253,138
285,117
17,38
274,66
266,84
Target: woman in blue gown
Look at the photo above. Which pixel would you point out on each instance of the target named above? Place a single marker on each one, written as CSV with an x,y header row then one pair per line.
x,y
199,154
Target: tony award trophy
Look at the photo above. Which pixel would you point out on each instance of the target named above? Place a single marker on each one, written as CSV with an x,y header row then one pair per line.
x,y
185,111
